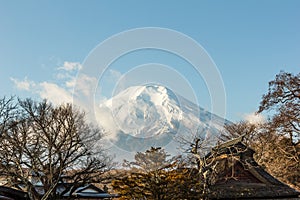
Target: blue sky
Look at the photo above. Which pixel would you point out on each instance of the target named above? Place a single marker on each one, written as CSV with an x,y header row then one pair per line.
x,y
249,41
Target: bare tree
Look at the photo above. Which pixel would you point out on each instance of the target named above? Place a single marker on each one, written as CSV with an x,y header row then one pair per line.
x,y
47,143
242,128
8,109
283,97
277,141
197,146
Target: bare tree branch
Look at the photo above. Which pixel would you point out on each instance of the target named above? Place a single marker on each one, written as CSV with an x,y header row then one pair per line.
x,y
46,143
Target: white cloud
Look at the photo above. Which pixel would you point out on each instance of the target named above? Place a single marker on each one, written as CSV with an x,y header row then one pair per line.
x,y
254,118
70,66
105,119
85,85
54,93
71,83
66,87
23,84
61,76
61,89
46,90
114,75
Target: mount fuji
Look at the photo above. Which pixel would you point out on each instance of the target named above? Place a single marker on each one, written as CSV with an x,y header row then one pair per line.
x,y
152,115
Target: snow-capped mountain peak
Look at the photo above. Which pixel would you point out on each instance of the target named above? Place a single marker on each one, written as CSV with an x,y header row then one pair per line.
x,y
155,111
144,111
141,117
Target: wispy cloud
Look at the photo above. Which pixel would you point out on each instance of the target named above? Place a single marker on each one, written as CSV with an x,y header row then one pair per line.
x,y
57,91
84,84
254,118
68,87
46,90
70,66
114,75
105,118
54,93
23,84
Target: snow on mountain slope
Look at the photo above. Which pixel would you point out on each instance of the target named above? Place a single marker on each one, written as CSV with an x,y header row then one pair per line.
x,y
144,116
145,111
